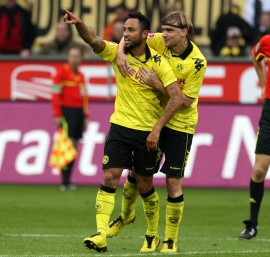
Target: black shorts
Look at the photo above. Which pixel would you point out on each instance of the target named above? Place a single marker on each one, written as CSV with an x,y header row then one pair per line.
x,y
126,148
175,145
263,136
75,120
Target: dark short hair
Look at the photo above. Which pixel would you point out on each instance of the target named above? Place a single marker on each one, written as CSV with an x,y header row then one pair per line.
x,y
143,20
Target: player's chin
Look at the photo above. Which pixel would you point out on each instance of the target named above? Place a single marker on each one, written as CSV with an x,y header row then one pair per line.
x,y
167,44
127,43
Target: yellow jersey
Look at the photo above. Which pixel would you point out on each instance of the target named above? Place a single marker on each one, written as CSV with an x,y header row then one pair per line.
x,y
137,105
189,68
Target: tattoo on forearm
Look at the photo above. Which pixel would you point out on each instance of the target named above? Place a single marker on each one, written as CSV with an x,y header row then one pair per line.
x,y
171,104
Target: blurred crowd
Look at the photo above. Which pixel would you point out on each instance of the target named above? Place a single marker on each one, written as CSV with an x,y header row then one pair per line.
x,y
233,34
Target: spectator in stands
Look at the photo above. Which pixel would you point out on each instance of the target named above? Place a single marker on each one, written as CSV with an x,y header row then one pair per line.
x,y
62,43
235,44
121,14
264,23
117,32
256,15
17,33
218,36
253,10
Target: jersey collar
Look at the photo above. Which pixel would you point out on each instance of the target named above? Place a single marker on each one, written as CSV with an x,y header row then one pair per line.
x,y
147,54
186,53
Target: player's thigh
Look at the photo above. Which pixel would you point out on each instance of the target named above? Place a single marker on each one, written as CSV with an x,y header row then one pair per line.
x,y
176,148
144,161
117,150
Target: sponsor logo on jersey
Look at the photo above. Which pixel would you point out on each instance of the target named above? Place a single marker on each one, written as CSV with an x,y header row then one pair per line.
x,y
151,35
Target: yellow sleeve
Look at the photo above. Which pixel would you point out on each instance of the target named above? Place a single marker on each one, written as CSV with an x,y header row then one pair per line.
x,y
109,52
163,70
155,41
194,81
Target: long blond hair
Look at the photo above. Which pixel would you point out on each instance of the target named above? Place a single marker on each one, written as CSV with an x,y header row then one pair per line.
x,y
182,21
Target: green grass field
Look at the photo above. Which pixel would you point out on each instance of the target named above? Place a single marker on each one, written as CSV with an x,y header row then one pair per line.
x,y
42,221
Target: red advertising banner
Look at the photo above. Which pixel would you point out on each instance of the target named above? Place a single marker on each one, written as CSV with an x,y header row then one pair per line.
x,y
222,152
31,80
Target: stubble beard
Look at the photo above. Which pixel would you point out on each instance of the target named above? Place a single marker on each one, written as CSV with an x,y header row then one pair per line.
x,y
134,44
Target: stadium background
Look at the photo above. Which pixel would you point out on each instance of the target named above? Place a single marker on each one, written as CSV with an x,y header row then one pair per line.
x,y
222,154
203,13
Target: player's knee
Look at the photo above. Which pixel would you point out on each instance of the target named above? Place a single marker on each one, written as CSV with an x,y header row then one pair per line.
x,y
144,186
259,174
110,179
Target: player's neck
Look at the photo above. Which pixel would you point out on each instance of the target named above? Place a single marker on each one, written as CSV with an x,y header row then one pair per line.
x,y
139,50
74,68
181,47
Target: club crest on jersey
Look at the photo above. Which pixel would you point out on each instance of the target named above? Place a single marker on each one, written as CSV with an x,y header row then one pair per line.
x,y
179,67
105,159
98,206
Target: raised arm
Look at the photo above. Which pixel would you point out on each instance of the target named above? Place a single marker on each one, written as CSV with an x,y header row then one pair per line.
x,y
87,34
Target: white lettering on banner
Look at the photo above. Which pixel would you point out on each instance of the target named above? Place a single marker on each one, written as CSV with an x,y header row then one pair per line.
x,y
90,138
242,132
248,88
38,153
12,135
213,90
201,139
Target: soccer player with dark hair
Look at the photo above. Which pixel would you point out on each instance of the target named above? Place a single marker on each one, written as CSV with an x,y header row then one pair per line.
x,y
135,124
189,66
261,53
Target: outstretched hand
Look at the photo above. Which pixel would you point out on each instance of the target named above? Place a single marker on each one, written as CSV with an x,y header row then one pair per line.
x,y
70,18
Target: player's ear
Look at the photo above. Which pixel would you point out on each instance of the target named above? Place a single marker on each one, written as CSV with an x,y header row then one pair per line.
x,y
145,34
185,31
